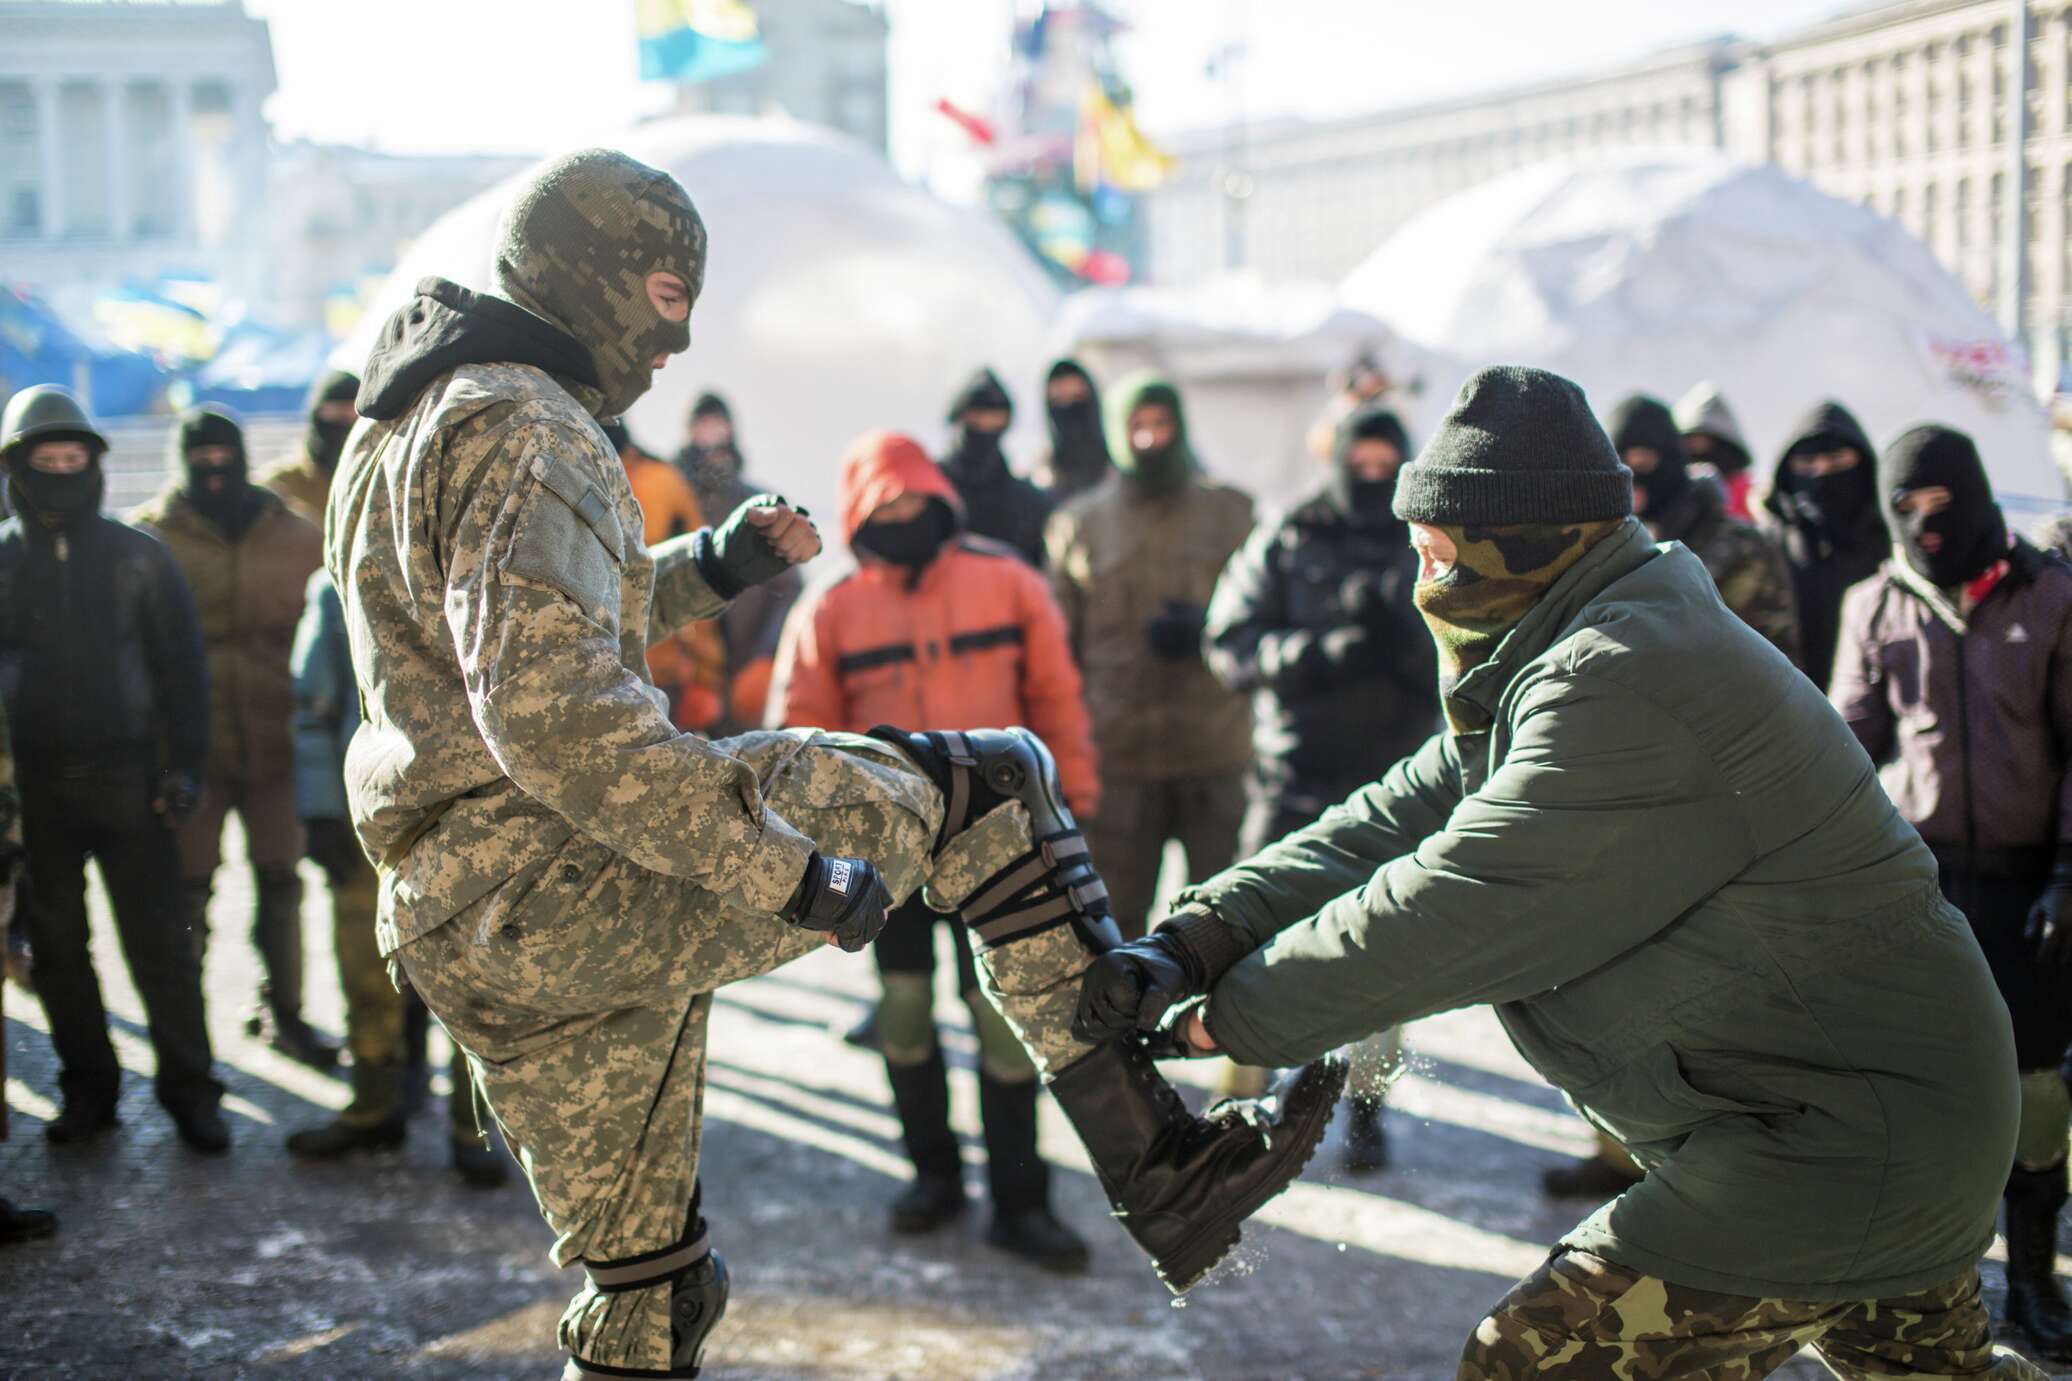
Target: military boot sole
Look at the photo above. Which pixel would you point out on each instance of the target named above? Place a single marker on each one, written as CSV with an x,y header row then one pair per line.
x,y
327,1143
1309,1096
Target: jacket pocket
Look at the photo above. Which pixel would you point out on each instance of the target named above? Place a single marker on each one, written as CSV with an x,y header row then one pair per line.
x,y
1652,1104
567,536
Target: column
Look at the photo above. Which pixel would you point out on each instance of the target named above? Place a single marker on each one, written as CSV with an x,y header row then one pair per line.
x,y
2013,249
117,160
50,165
181,99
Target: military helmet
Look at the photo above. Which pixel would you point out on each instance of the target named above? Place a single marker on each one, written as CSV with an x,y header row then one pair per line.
x,y
45,413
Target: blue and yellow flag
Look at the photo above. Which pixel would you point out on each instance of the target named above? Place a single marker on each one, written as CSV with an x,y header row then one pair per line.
x,y
689,41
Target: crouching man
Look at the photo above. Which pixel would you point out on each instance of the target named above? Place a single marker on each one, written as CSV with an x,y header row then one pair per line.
x,y
1652,846
565,878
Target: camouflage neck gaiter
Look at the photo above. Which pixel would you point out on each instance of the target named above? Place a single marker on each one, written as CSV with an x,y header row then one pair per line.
x,y
577,247
1499,574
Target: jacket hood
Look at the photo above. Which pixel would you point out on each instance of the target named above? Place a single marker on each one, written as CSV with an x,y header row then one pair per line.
x,y
1825,419
881,466
206,424
1702,411
445,326
982,390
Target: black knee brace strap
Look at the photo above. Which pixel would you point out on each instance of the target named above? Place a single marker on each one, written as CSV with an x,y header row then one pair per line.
x,y
1053,884
649,1268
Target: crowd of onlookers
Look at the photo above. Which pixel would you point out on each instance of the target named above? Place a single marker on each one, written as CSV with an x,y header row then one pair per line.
x,y
1204,676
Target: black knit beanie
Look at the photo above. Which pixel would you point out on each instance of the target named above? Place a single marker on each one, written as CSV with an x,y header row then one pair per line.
x,y
1518,446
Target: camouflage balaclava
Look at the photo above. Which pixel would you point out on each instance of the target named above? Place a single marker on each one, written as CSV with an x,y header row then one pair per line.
x,y
1496,578
577,246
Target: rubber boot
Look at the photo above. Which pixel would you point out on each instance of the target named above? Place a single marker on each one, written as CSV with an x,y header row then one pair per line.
x,y
374,1120
1366,1143
921,1095
2035,1304
24,1224
277,933
1023,1223
1184,1185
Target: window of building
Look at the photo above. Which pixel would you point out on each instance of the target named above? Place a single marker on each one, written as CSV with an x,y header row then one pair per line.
x,y
1931,220
1963,214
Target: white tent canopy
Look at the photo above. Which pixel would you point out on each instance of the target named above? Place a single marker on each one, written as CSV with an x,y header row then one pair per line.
x,y
1651,270
1252,364
837,298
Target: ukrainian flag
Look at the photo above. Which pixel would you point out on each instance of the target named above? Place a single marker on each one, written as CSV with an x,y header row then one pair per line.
x,y
689,41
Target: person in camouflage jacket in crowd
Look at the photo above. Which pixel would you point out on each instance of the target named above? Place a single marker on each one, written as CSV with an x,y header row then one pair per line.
x,y
566,878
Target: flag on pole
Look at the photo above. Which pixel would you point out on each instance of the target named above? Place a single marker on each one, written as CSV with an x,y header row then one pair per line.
x,y
691,41
1111,149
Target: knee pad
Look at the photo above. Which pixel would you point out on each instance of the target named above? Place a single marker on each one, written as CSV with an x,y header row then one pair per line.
x,y
906,1018
1000,1052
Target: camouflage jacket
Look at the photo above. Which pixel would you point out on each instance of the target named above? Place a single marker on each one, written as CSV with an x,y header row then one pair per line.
x,y
499,602
1744,563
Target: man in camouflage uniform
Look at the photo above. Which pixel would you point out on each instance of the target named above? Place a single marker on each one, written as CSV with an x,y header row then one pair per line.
x,y
565,878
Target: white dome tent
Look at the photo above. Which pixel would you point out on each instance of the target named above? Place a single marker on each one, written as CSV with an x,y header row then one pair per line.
x,y
1651,270
837,298
1253,365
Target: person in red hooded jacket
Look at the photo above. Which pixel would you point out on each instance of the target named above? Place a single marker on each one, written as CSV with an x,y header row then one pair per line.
x,y
935,626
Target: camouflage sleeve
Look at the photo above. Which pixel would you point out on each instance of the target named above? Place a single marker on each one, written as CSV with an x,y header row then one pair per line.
x,y
532,600
1756,584
681,594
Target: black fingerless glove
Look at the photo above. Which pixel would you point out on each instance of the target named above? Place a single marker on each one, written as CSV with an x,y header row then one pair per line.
x,y
737,554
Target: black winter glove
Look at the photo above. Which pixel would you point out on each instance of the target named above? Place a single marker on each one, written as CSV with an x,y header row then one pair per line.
x,y
2049,928
736,554
179,796
1128,990
842,897
1175,632
333,847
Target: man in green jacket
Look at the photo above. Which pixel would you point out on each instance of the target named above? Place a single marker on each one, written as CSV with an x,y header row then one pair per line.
x,y
1652,846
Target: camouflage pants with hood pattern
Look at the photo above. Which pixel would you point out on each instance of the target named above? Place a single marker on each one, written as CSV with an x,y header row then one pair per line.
x,y
1583,1318
580,991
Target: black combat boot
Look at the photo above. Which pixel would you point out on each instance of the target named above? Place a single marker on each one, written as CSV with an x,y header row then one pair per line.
x,y
202,1127
277,934
373,1122
1023,1223
80,1121
24,1224
921,1096
1182,1185
2035,1304
1366,1144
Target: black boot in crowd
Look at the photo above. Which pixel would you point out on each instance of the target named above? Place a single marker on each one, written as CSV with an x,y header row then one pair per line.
x,y
1023,1223
278,937
24,1224
474,1155
2035,1304
921,1094
373,1121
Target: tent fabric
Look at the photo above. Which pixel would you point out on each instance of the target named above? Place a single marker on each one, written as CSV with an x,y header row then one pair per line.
x,y
837,300
1254,363
1649,270
37,348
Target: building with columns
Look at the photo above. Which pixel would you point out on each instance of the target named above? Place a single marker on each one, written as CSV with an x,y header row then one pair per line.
x,y
1952,116
827,66
131,141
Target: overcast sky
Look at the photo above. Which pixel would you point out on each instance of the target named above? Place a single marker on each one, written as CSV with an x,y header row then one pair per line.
x,y
438,76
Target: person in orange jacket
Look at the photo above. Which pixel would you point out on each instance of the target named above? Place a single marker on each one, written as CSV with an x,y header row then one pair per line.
x,y
691,666
935,626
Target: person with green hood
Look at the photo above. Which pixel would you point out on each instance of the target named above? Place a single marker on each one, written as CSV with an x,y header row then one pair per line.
x,y
1656,850
1134,563
566,878
303,480
247,559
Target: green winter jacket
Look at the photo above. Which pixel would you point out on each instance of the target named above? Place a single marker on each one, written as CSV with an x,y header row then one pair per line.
x,y
1674,873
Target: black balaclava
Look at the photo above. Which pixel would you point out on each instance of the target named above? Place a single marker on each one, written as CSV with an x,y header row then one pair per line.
x,y
1078,446
56,501
1973,532
221,494
577,246
914,543
1367,501
1830,504
325,441
1644,421
727,454
976,454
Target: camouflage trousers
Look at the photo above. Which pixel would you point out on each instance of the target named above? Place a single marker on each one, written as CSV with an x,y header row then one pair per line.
x,y
1582,1318
580,992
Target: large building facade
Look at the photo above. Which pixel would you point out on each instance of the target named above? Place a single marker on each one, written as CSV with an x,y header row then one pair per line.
x,y
1952,116
827,66
131,139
